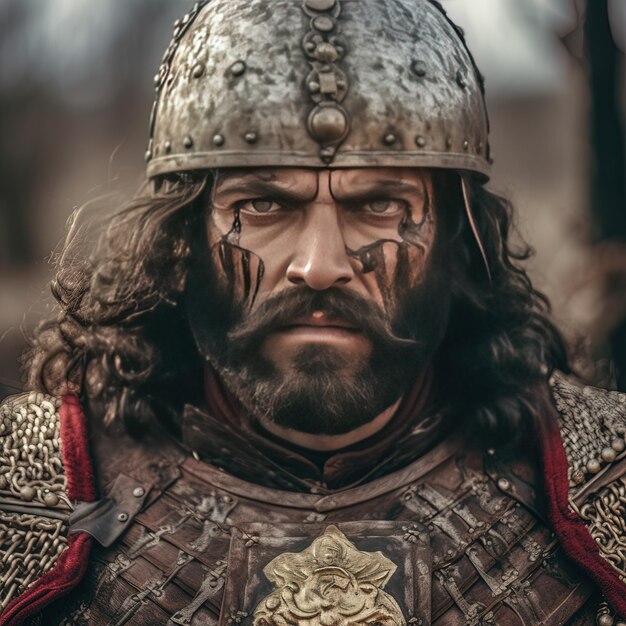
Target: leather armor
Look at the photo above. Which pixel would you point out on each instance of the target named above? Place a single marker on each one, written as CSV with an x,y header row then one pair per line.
x,y
458,536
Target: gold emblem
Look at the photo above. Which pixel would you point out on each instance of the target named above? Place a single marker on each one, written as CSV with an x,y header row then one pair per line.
x,y
331,583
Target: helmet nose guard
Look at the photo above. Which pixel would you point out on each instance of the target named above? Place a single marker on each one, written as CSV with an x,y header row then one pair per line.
x,y
318,83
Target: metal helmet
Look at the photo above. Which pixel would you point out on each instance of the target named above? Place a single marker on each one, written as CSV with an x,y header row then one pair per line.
x,y
318,83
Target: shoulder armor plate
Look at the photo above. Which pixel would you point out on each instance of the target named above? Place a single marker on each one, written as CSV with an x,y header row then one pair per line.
x,y
34,506
593,426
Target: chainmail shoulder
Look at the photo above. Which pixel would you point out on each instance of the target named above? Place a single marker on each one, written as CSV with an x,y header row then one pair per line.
x,y
34,506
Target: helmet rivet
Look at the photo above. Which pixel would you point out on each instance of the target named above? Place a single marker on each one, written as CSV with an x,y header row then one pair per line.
x,y
320,5
237,68
198,70
148,155
188,142
389,139
420,141
323,23
250,137
167,146
122,517
328,124
419,68
218,140
460,80
138,492
313,86
466,145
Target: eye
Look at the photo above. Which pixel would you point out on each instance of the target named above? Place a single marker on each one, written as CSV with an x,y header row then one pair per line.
x,y
385,206
260,205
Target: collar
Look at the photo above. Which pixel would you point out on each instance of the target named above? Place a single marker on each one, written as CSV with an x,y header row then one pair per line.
x,y
221,435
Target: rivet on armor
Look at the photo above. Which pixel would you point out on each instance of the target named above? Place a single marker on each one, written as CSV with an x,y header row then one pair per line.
x,y
504,484
323,23
466,145
188,142
138,492
326,52
605,620
218,140
250,137
389,139
593,466
237,68
328,124
27,493
618,445
313,86
491,451
51,499
420,141
122,517
578,477
167,146
320,5
419,68
148,155
608,455
198,70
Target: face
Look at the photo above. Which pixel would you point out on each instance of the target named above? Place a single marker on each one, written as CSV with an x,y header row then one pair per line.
x,y
325,276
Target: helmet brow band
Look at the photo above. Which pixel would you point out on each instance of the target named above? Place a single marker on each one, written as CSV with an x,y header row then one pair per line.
x,y
470,217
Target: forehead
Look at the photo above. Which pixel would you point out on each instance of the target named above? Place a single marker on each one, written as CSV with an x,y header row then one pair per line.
x,y
338,179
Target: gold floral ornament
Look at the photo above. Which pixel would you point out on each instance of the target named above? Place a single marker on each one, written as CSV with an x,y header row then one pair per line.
x,y
331,583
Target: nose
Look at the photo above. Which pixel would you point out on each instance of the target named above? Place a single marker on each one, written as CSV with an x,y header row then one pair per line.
x,y
320,260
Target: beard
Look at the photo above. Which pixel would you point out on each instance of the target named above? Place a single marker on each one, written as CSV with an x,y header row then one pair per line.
x,y
324,392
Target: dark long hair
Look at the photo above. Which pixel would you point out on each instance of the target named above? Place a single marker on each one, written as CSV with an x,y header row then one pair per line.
x,y
121,339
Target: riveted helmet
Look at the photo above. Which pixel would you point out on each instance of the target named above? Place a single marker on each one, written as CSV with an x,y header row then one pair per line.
x,y
318,83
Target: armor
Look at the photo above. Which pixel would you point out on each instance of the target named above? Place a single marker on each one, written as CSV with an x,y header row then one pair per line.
x,y
459,536
316,83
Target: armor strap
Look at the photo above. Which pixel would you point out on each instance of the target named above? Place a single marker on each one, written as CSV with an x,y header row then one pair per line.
x,y
69,445
574,532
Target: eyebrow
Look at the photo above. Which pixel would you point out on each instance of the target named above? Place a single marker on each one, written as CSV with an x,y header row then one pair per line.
x,y
379,187
257,187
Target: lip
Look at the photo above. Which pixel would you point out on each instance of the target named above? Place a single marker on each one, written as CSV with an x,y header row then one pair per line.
x,y
311,322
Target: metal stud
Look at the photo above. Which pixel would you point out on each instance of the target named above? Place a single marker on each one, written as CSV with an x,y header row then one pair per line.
x,y
504,484
491,451
237,68
218,140
419,68
148,155
578,477
250,137
618,445
167,146
138,492
605,620
389,139
198,70
420,141
328,124
326,52
320,5
466,145
593,466
122,517
323,23
188,142
51,499
313,86
608,455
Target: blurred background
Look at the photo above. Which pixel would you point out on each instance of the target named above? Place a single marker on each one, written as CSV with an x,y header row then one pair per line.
x,y
76,89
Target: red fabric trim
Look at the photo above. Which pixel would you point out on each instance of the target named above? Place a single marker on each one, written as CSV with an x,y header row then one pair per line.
x,y
570,530
72,563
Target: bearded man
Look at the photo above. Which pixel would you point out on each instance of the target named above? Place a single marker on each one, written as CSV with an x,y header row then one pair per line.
x,y
303,379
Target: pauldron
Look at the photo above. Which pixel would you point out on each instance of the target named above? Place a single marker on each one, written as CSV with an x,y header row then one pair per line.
x,y
34,506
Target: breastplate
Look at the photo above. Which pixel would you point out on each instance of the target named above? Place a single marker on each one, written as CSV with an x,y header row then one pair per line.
x,y
455,538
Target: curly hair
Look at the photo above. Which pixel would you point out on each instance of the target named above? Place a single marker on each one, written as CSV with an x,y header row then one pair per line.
x,y
122,341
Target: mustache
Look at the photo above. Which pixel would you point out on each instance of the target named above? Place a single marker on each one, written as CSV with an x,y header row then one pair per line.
x,y
301,301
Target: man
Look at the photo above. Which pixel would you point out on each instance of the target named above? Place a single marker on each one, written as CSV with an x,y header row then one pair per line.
x,y
302,379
